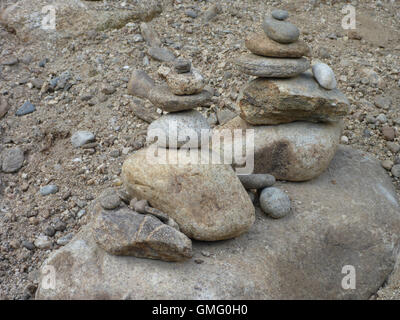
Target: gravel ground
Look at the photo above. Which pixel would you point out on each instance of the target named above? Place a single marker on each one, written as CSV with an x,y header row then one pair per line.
x,y
94,98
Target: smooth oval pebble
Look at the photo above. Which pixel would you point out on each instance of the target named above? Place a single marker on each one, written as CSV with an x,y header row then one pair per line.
x,y
280,31
257,181
324,76
275,202
49,189
280,14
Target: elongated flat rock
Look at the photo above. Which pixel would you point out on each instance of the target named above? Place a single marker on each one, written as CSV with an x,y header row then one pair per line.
x,y
162,97
124,232
261,45
258,66
274,101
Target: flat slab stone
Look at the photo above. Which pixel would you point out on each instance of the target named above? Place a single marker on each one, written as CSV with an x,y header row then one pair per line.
x,y
335,221
162,97
258,66
274,101
261,45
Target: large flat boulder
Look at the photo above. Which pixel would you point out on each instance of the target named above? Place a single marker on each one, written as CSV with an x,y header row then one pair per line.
x,y
275,101
349,215
296,151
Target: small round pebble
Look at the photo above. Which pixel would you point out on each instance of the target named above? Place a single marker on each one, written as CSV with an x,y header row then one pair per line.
x,y
324,76
275,203
110,200
396,170
13,160
280,14
140,206
387,164
49,189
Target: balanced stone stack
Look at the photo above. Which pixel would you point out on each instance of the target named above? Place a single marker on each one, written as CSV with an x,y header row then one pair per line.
x,y
296,115
206,200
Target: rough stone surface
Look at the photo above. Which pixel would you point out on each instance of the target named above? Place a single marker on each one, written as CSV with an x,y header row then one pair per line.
x,y
206,200
275,202
296,151
4,106
161,54
257,181
174,129
124,232
26,108
258,66
12,160
140,84
49,189
76,17
109,199
144,110
261,45
280,31
185,83
79,138
274,101
163,98
324,75
297,257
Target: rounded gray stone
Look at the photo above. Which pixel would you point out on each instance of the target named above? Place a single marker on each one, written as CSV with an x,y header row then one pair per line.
x,y
258,66
275,202
324,76
280,14
257,181
280,31
12,160
396,170
80,138
174,130
110,199
49,189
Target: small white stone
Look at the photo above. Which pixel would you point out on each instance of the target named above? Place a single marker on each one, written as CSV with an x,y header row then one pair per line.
x,y
324,76
344,140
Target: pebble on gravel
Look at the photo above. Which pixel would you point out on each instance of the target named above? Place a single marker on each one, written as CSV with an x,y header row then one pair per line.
x,y
109,199
65,239
49,189
80,138
13,160
43,242
388,133
396,170
387,164
26,108
324,76
161,54
4,107
275,202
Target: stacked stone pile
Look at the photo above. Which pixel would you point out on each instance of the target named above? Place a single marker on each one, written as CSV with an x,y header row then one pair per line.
x,y
296,114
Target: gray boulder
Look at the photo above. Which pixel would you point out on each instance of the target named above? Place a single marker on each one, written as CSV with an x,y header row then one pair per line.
x,y
337,221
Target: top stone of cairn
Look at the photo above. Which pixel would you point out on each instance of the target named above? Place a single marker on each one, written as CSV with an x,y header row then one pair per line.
x,y
280,31
280,14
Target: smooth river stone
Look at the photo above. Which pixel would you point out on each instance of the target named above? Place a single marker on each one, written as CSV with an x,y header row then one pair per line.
x,y
258,66
280,31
